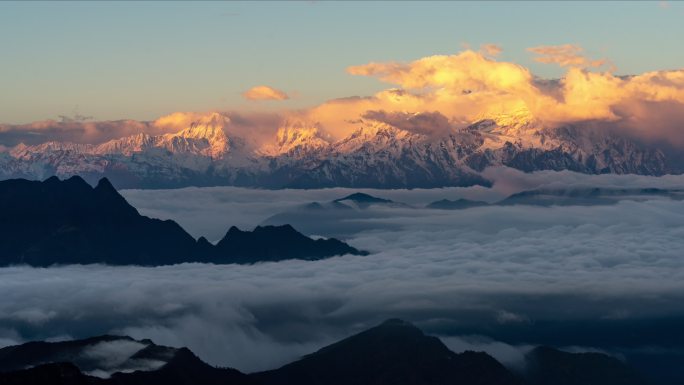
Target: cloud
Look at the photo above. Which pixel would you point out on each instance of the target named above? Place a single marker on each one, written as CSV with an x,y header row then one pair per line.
x,y
179,120
470,85
427,123
111,354
264,93
566,55
255,128
491,49
463,87
75,131
519,275
467,70
210,211
511,356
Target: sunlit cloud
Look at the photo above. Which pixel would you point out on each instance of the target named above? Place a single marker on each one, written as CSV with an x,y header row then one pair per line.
x,y
471,85
264,93
492,268
455,90
491,49
566,55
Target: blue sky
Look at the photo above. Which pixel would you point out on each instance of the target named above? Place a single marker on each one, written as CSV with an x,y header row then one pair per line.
x,y
142,60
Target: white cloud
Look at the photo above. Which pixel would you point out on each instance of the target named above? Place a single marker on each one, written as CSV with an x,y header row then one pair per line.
x,y
448,271
111,354
512,356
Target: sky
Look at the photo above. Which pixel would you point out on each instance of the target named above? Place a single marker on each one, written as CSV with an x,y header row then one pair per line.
x,y
142,60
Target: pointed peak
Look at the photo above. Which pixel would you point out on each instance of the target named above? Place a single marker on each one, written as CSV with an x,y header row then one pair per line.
x,y
76,180
362,197
233,230
105,185
397,325
396,322
210,128
204,242
297,136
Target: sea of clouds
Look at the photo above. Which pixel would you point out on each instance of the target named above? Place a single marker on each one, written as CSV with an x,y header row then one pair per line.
x,y
495,278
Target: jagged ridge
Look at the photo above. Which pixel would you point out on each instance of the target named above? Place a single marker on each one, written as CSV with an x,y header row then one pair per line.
x,y
374,155
70,222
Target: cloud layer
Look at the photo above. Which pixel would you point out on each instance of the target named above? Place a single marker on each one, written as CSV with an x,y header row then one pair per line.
x,y
518,275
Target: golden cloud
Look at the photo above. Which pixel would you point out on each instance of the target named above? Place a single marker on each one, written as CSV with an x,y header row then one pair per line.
x,y
264,93
471,85
566,55
490,49
435,94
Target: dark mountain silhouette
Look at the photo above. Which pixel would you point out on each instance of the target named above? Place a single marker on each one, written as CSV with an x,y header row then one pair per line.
x,y
60,373
587,196
70,222
458,204
577,196
284,242
36,352
363,198
184,368
394,352
337,218
364,201
72,363
547,365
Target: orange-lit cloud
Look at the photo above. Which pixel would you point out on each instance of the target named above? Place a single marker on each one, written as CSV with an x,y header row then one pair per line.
x,y
178,120
438,94
471,85
75,131
465,71
264,93
490,49
566,55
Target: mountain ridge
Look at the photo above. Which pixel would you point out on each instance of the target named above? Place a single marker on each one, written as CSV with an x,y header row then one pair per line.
x,y
395,352
71,222
375,154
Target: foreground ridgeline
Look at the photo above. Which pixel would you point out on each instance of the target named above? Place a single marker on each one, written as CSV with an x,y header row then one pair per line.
x,y
70,222
395,352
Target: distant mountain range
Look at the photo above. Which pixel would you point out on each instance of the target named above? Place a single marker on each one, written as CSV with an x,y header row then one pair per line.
x,y
576,196
70,222
339,216
376,155
393,353
358,212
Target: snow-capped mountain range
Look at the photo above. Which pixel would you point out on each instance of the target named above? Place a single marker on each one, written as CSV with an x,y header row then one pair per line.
x,y
302,155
